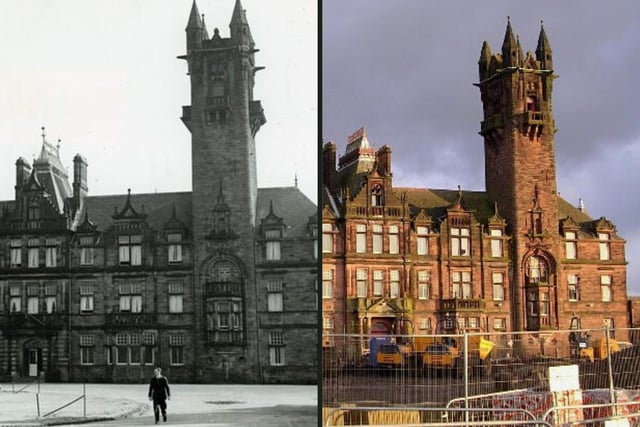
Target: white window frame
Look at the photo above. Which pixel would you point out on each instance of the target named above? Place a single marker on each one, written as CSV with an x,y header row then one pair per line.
x,y
175,248
605,288
497,279
394,283
362,283
275,302
570,245
34,257
573,287
327,284
461,284
176,297
460,238
496,243
327,238
604,245
394,239
424,279
361,238
378,283
422,234
51,256
377,240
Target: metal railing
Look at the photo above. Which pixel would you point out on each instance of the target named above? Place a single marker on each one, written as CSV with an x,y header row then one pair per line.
x,y
446,371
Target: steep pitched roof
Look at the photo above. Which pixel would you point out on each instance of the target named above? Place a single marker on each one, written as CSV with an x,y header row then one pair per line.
x,y
290,204
157,206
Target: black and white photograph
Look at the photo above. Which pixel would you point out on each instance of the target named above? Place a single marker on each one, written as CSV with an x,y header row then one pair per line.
x,y
158,212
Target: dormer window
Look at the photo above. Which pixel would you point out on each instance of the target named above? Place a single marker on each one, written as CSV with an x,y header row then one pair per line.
x,y
605,253
130,249
272,245
376,195
570,245
496,243
175,248
423,240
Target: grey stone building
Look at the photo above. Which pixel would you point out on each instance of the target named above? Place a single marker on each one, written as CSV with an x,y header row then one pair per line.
x,y
214,285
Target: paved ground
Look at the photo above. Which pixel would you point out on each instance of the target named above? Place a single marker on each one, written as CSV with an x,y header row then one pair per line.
x,y
276,416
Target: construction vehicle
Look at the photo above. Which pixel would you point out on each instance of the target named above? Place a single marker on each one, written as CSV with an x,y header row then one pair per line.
x,y
386,353
445,353
581,347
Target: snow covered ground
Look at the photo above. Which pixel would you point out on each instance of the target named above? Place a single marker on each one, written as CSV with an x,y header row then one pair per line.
x,y
127,400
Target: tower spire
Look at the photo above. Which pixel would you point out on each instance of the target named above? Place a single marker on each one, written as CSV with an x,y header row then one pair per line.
x,y
195,20
509,47
485,60
195,28
240,31
544,54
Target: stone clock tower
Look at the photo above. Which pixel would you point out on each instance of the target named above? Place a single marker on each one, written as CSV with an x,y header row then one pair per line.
x,y
223,119
520,173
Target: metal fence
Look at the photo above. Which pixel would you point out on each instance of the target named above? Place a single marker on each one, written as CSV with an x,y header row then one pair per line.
x,y
479,371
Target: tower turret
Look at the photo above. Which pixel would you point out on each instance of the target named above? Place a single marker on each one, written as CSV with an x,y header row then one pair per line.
x,y
544,54
484,61
195,29
239,26
509,47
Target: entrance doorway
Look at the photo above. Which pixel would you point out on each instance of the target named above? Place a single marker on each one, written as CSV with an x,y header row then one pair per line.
x,y
32,361
381,326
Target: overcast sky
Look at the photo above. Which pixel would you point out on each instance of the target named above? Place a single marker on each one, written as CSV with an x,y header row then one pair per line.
x,y
102,75
405,68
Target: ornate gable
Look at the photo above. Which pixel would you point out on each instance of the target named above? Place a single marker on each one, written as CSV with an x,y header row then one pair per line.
x,y
128,212
87,226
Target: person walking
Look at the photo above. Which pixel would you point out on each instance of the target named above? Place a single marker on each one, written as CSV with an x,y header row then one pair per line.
x,y
159,393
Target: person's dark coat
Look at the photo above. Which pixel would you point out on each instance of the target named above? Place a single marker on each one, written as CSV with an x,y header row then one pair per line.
x,y
159,389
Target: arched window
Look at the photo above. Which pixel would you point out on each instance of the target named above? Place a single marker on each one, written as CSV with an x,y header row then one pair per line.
x,y
537,270
223,303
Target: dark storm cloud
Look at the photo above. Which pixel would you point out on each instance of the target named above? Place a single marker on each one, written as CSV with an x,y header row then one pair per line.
x,y
405,69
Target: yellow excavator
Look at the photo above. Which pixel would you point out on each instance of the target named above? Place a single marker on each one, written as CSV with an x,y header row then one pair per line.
x,y
445,353
581,347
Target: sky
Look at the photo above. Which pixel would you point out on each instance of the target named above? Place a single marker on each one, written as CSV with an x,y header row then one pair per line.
x,y
404,69
103,77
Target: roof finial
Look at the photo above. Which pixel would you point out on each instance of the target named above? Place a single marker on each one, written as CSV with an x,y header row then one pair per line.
x,y
295,179
58,145
581,207
44,135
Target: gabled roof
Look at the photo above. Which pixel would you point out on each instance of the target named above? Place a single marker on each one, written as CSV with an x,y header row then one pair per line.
x,y
290,204
158,208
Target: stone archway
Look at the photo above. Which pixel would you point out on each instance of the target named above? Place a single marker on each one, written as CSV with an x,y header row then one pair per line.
x,y
223,278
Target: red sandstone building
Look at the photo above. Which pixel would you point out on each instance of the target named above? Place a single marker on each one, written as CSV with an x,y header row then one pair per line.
x,y
516,257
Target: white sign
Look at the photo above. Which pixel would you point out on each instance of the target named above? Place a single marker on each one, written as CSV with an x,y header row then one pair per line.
x,y
563,378
617,422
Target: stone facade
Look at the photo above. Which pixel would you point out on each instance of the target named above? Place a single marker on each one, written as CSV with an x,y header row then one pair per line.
x,y
516,257
212,285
